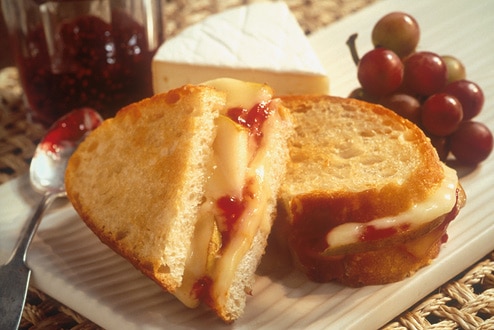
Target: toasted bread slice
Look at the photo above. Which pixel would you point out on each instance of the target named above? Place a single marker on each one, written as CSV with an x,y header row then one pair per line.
x,y
355,172
250,155
137,180
184,185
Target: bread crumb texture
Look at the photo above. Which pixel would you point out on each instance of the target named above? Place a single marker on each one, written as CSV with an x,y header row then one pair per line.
x,y
361,147
137,179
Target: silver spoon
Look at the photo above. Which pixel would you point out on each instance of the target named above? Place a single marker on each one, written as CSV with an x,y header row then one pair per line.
x,y
47,171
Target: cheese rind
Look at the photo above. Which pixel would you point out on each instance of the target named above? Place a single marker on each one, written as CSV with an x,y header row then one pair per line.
x,y
260,42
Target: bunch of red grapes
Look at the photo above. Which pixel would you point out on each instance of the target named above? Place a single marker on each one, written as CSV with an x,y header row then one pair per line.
x,y
428,89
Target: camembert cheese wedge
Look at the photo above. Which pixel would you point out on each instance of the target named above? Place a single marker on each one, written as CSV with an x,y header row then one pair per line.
x,y
260,42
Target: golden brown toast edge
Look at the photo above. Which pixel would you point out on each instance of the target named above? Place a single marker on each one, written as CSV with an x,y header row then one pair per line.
x,y
140,133
371,202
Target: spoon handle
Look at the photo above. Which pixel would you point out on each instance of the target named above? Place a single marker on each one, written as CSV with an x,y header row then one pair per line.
x,y
14,275
29,229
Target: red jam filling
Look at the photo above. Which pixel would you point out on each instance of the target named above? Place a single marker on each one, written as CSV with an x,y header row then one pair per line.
x,y
451,216
202,289
232,209
371,233
105,66
253,118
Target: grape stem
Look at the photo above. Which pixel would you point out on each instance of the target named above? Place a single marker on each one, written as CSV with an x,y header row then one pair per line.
x,y
353,48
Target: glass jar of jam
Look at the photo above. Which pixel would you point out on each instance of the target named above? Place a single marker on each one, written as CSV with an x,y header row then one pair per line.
x,y
83,53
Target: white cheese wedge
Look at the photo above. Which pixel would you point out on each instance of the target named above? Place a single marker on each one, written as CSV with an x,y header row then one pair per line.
x,y
260,42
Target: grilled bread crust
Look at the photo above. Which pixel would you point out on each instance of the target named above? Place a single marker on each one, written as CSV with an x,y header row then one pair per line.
x,y
137,180
351,161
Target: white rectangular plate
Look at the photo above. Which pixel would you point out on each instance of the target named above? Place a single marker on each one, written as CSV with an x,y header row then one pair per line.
x,y
70,264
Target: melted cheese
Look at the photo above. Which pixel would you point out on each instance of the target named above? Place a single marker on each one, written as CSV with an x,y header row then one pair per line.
x,y
260,42
440,202
241,93
204,259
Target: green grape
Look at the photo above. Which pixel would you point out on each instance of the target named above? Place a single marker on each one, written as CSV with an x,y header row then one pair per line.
x,y
398,32
454,67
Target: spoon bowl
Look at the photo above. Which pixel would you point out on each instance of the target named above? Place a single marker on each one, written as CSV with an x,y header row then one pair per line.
x,y
47,173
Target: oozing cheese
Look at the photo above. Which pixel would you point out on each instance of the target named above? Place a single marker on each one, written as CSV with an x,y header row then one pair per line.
x,y
439,202
261,42
208,258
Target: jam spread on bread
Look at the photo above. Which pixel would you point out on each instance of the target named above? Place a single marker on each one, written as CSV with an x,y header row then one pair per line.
x,y
201,289
236,207
252,119
232,209
372,233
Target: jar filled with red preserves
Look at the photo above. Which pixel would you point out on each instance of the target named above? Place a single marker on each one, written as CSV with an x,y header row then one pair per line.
x,y
83,53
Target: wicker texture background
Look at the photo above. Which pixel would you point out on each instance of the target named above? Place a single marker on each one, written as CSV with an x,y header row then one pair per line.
x,y
466,302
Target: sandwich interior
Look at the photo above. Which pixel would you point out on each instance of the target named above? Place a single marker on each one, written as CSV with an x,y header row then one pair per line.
x,y
237,211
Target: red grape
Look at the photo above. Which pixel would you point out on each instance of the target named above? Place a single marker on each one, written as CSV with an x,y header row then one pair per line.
x,y
424,73
380,72
441,144
470,96
405,105
423,87
441,114
398,32
471,143
456,69
361,94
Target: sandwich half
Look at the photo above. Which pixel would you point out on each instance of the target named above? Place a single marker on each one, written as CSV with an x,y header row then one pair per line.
x,y
366,199
184,186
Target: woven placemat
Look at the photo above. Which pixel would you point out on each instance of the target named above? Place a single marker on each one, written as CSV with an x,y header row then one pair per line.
x,y
18,136
466,302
